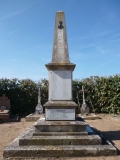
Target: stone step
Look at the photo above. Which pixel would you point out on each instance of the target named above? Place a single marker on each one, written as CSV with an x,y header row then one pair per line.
x,y
59,126
58,133
61,140
59,151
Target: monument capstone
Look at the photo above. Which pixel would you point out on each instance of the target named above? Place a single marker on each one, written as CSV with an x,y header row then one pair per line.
x,y
60,105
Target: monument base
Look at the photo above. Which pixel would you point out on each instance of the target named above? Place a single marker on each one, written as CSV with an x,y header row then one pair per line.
x,y
60,110
58,138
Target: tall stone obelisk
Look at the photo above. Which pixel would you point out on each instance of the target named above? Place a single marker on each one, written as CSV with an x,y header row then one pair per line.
x,y
60,105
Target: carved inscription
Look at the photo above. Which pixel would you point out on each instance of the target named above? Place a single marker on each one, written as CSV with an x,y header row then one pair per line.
x,y
60,114
60,85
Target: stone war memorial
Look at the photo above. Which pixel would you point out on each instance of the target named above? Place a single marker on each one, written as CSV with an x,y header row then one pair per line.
x,y
59,133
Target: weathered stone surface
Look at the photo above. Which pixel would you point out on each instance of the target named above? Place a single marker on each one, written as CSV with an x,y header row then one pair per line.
x,y
60,55
49,149
60,85
60,114
60,72
60,46
61,140
59,126
60,104
61,151
60,66
59,133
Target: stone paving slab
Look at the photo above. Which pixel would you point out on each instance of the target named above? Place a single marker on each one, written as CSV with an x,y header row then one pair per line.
x,y
90,116
33,117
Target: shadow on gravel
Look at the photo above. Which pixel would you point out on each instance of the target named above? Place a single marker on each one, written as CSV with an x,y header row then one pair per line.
x,y
108,136
112,135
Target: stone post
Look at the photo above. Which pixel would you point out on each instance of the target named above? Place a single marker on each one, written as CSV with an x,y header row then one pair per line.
x,y
39,108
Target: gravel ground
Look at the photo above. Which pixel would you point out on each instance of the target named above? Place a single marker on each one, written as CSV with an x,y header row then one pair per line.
x,y
109,127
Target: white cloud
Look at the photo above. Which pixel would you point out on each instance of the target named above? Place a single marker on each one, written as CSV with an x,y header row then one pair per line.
x,y
105,63
102,50
9,15
117,35
17,29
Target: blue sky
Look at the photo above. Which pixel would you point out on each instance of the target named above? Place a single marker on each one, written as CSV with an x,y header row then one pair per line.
x,y
27,31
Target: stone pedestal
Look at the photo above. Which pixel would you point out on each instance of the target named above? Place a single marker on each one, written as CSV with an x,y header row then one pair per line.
x,y
60,110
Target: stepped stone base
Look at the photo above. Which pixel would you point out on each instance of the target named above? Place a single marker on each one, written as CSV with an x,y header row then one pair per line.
x,y
61,139
62,151
59,133
59,126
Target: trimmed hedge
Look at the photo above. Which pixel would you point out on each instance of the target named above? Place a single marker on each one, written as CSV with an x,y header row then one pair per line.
x,y
102,94
22,95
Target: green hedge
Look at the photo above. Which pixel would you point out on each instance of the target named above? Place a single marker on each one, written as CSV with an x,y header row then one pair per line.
x,y
22,95
102,94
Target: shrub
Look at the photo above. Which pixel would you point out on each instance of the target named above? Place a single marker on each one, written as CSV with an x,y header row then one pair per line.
x,y
102,94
